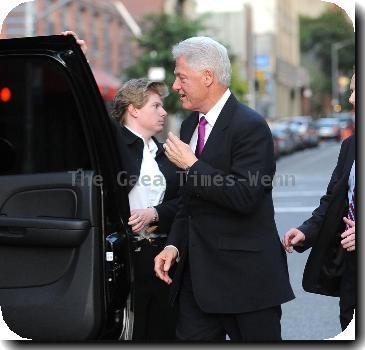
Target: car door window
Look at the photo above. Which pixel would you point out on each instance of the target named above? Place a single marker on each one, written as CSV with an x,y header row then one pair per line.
x,y
40,129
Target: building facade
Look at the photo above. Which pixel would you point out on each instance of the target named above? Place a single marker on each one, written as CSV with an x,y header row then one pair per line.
x,y
110,41
280,79
276,78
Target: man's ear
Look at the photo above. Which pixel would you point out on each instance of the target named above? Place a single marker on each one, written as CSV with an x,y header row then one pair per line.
x,y
132,111
208,77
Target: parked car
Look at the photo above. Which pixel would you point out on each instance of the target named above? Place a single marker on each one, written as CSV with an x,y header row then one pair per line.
x,y
294,135
329,128
65,272
285,138
345,119
306,129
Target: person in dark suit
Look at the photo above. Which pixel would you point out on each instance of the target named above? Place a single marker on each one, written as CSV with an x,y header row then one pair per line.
x,y
232,276
152,184
330,231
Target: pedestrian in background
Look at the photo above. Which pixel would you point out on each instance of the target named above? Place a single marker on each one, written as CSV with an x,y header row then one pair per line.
x,y
232,276
152,185
332,264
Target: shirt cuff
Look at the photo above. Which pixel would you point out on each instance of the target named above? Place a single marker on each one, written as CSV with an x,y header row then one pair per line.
x,y
177,250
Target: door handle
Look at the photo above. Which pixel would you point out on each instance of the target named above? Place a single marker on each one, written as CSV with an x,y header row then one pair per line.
x,y
50,232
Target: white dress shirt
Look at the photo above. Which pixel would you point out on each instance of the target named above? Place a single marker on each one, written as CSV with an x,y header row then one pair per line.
x,y
211,117
150,188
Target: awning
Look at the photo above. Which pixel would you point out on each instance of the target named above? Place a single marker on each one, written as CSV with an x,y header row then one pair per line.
x,y
107,83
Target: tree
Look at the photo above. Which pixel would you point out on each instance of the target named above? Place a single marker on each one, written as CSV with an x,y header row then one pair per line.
x,y
316,37
238,86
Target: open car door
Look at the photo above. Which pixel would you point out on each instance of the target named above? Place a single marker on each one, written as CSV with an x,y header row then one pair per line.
x,y
65,271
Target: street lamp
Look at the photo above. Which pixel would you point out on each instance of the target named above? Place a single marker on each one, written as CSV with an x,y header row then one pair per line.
x,y
334,68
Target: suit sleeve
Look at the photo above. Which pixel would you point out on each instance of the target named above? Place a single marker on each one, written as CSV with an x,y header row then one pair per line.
x,y
178,236
251,172
166,212
312,226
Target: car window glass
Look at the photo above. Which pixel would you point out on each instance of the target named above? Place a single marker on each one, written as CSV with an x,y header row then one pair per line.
x,y
40,127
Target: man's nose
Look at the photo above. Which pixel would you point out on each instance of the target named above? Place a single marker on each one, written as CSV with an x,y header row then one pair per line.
x,y
176,85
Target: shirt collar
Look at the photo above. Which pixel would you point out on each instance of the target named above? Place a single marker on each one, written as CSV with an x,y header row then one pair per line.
x,y
152,147
214,112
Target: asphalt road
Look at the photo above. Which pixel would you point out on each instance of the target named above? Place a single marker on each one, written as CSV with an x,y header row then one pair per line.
x,y
301,179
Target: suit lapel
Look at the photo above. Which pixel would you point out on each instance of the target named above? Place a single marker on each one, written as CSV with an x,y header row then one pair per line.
x,y
350,158
189,127
342,187
222,123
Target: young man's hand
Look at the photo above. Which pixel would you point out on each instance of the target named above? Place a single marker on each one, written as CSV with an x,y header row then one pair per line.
x,y
79,41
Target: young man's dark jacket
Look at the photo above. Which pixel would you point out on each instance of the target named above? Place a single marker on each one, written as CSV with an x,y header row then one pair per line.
x,y
130,148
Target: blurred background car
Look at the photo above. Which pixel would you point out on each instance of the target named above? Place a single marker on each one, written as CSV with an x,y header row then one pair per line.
x,y
276,142
286,140
347,124
329,128
305,128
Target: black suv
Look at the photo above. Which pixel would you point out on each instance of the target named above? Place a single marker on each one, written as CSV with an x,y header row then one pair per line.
x,y
65,271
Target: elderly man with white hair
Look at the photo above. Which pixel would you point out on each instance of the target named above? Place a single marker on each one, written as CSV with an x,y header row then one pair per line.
x,y
231,275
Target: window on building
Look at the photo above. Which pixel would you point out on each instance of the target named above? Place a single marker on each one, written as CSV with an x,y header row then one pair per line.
x,y
14,31
14,19
64,17
40,126
80,21
50,27
107,44
94,37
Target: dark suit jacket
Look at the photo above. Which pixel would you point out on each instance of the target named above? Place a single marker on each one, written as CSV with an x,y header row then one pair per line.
x,y
226,228
325,264
130,148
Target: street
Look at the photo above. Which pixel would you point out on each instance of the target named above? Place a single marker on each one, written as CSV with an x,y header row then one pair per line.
x,y
301,179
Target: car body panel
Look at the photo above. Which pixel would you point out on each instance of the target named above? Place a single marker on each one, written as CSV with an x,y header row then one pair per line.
x,y
55,220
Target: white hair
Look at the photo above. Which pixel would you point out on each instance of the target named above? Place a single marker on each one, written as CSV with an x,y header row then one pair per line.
x,y
201,52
